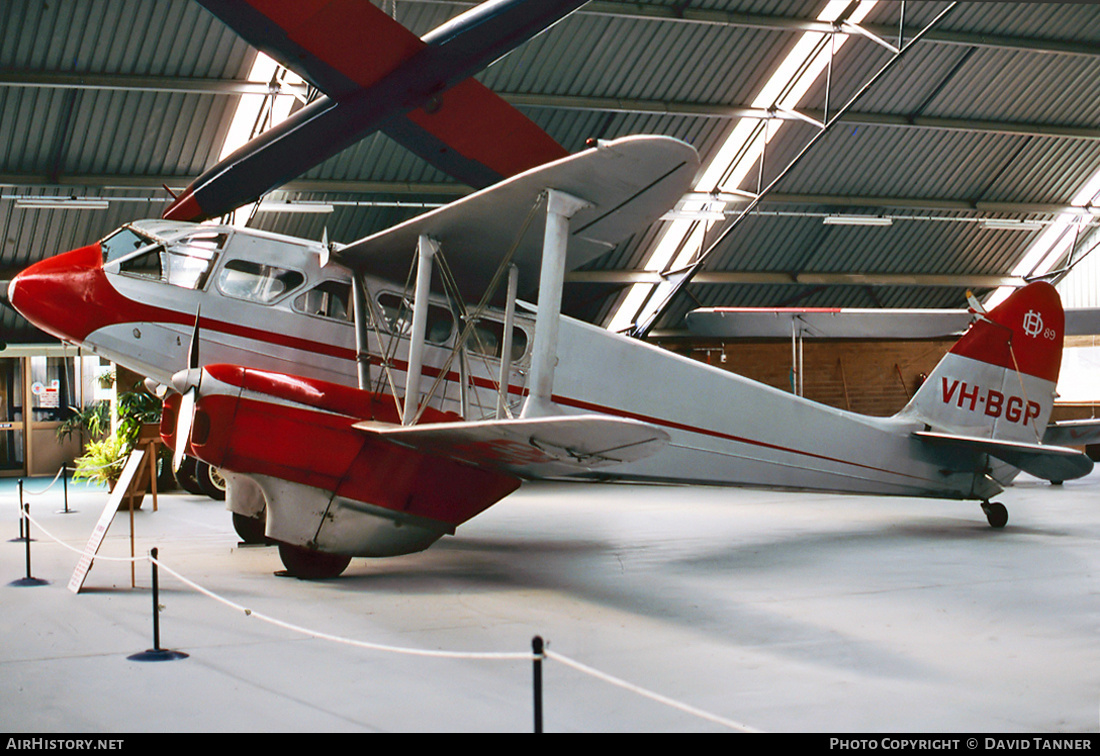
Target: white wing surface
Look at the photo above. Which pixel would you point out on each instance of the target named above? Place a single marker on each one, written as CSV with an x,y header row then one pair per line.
x,y
628,184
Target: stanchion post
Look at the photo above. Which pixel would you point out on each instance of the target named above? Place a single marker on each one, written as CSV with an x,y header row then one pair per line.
x,y
65,485
156,599
22,515
25,521
156,653
27,531
537,647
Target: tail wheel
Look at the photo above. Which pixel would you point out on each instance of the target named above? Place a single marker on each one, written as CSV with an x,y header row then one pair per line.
x,y
210,481
996,513
307,564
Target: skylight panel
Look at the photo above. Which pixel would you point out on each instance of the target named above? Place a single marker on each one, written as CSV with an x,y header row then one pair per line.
x,y
736,158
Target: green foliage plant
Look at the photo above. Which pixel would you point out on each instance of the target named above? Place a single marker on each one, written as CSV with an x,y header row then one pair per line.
x,y
104,458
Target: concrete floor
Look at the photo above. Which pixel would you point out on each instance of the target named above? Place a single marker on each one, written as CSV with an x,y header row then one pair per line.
x,y
785,612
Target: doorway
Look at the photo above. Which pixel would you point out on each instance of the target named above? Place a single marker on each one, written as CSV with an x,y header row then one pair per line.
x,y
13,444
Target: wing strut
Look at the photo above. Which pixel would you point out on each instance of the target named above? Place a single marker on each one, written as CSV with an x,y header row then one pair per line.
x,y
470,318
560,207
362,319
426,248
506,347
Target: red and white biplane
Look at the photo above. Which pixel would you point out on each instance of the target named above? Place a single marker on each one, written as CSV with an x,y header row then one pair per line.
x,y
366,399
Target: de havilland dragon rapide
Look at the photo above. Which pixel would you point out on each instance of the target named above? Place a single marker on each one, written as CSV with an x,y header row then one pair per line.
x,y
366,399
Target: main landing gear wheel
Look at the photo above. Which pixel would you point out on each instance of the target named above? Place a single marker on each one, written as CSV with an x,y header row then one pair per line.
x,y
187,476
996,513
307,564
210,481
251,529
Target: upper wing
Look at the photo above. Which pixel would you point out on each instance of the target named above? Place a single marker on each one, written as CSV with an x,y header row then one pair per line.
x,y
628,183
378,75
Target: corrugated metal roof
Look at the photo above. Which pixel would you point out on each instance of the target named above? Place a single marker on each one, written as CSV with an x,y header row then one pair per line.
x,y
671,67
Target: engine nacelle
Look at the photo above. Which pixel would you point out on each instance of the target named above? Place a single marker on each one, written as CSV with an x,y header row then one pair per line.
x,y
329,486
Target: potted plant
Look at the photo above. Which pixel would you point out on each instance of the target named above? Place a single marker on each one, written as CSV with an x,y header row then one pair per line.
x,y
104,458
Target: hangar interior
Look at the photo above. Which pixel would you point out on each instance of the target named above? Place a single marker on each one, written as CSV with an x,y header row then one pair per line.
x,y
841,167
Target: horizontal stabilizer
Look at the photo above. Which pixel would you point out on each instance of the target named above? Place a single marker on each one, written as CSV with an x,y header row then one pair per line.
x,y
1073,432
1047,462
532,448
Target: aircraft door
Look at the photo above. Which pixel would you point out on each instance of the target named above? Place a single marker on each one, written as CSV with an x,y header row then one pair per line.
x,y
12,423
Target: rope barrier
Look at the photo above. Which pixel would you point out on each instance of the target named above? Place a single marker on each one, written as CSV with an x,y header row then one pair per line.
x,y
47,488
647,693
408,651
511,656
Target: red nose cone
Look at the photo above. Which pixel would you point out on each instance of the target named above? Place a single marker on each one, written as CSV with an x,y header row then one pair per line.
x,y
57,294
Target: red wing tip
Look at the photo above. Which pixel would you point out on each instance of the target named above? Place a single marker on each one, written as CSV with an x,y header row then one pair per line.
x,y
185,208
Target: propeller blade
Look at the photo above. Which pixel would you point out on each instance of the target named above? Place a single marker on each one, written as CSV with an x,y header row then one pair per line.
x,y
183,426
187,383
193,350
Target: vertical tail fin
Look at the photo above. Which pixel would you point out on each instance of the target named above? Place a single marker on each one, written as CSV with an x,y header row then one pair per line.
x,y
998,380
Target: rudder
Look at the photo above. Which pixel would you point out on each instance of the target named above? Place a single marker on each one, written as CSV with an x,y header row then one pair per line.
x,y
998,381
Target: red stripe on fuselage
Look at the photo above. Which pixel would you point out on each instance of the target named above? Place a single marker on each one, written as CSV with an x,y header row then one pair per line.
x,y
590,407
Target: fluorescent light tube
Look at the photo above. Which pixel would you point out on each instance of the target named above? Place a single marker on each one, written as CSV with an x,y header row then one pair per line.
x,y
857,220
1012,225
59,203
294,207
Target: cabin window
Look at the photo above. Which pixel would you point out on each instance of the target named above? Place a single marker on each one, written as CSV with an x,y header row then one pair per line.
x,y
397,312
257,282
191,258
488,340
122,243
148,264
186,263
330,299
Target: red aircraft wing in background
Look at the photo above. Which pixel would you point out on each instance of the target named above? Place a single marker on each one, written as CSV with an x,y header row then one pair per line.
x,y
377,75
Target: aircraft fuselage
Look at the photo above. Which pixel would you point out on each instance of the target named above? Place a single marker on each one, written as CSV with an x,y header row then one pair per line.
x,y
264,301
